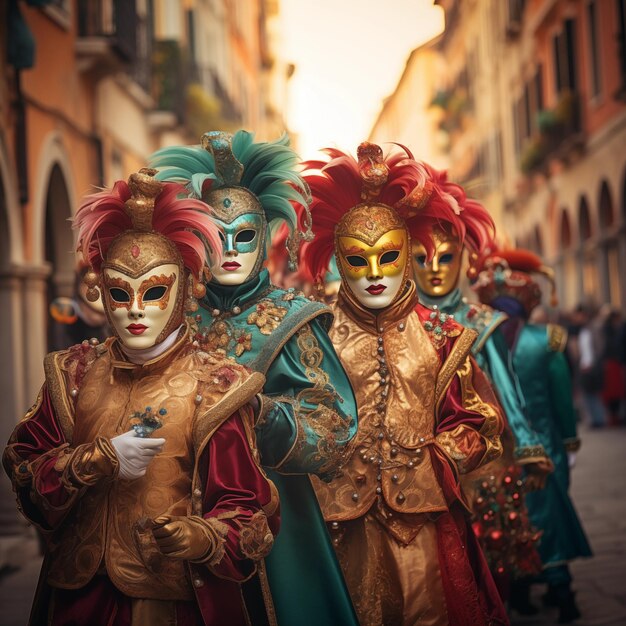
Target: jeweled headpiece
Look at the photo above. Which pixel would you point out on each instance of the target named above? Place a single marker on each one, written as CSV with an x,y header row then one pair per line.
x,y
509,273
236,175
142,224
367,197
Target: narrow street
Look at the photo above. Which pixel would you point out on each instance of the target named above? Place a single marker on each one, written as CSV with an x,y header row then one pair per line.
x,y
600,497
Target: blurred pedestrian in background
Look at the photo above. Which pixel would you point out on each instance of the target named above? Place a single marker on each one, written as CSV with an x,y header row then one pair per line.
x,y
591,348
613,366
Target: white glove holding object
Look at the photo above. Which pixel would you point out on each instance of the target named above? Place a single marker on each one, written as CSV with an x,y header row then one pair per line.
x,y
135,453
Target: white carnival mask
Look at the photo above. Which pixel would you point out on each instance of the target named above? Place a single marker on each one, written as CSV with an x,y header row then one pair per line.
x,y
143,310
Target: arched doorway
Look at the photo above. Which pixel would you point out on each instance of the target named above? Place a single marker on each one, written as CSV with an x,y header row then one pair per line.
x,y
538,241
534,241
609,255
588,267
567,274
50,271
624,201
606,214
11,340
59,248
622,241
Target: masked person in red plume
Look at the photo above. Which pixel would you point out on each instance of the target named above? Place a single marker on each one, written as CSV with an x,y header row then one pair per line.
x,y
144,529
496,490
397,515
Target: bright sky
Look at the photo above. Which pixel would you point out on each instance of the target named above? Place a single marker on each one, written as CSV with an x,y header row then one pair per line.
x,y
349,56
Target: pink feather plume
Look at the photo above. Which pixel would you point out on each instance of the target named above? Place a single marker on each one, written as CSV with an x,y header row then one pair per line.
x,y
186,222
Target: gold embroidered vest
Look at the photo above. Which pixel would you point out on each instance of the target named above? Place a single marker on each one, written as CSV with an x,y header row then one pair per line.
x,y
393,368
101,529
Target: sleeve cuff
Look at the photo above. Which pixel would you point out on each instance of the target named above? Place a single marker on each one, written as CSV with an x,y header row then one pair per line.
x,y
447,443
216,533
572,444
265,406
530,454
91,462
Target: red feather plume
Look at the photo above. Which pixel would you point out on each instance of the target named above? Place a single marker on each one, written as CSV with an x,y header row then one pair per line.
x,y
336,187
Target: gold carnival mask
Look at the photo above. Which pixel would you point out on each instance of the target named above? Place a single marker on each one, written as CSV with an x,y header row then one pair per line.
x,y
438,277
372,247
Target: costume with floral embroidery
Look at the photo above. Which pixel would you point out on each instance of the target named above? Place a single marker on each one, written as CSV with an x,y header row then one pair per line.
x,y
307,413
170,543
396,511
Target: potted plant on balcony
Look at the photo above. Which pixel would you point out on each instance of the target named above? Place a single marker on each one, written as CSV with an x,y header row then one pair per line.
x,y
534,154
566,111
547,122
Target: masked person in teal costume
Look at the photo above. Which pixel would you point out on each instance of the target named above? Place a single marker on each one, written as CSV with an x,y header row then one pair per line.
x,y
438,287
506,283
307,411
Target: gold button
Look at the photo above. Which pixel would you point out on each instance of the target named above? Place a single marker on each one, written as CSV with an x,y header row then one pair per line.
x,y
198,582
197,492
268,538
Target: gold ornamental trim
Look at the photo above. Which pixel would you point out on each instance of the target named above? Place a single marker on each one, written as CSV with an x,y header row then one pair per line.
x,y
461,349
206,425
57,387
557,338
482,340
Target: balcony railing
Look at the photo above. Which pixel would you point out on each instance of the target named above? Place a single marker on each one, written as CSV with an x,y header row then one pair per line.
x,y
193,93
559,133
210,81
169,78
114,22
514,18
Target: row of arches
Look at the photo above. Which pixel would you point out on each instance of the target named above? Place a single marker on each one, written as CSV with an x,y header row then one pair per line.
x,y
589,247
590,225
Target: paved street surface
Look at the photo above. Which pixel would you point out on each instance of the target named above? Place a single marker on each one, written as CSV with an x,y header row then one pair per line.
x,y
599,494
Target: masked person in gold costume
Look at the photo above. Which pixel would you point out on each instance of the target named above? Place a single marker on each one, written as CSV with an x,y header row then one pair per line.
x,y
398,519
143,529
496,490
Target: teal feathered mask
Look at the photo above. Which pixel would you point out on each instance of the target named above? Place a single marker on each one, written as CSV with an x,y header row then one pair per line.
x,y
236,175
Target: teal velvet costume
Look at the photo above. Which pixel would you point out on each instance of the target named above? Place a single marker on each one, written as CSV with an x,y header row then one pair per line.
x,y
546,383
294,437
307,411
493,357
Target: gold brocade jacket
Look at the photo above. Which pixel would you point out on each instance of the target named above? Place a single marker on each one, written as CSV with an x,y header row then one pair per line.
x,y
96,525
423,405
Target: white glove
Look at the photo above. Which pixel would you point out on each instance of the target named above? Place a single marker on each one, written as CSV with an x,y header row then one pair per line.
x,y
135,453
571,459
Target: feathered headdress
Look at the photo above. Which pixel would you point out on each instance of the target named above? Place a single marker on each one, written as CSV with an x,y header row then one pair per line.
x,y
340,183
145,207
264,169
510,273
469,220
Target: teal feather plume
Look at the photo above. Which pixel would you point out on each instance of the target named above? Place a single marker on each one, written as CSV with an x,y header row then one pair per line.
x,y
269,172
